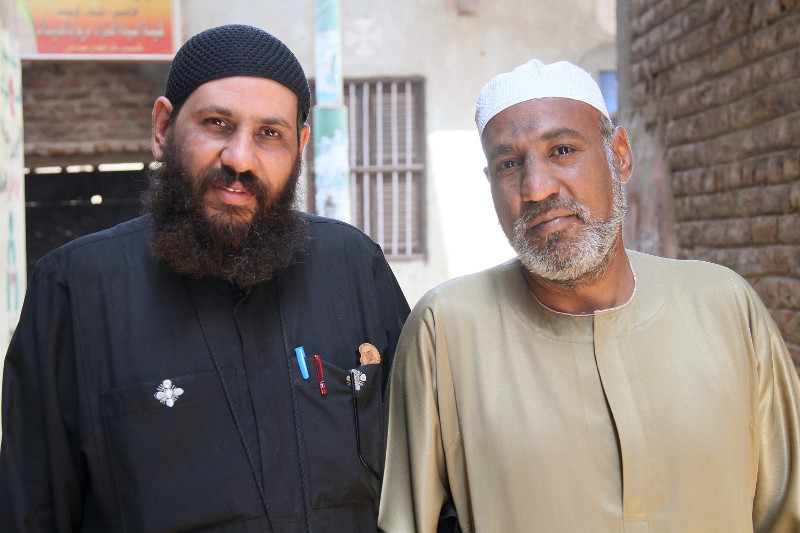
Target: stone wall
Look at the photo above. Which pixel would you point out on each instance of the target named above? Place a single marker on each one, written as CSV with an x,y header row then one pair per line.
x,y
85,112
716,85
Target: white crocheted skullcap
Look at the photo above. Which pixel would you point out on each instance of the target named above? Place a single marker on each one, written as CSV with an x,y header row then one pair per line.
x,y
532,80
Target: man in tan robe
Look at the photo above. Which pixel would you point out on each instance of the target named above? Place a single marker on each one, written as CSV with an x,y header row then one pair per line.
x,y
583,387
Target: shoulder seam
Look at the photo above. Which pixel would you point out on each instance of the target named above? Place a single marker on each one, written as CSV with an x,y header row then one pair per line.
x,y
49,262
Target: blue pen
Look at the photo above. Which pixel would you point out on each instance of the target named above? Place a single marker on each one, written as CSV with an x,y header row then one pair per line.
x,y
301,360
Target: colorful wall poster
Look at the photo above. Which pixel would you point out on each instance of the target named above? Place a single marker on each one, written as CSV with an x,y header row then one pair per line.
x,y
97,29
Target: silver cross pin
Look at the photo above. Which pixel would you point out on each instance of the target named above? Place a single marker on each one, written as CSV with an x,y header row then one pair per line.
x,y
167,393
359,378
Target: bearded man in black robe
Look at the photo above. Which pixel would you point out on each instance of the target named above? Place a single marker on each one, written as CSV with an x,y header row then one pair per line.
x,y
219,363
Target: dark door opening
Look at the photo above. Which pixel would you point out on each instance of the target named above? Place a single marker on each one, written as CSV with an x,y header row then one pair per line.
x,y
64,206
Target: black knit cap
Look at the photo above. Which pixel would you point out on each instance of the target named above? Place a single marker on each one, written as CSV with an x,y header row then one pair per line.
x,y
235,50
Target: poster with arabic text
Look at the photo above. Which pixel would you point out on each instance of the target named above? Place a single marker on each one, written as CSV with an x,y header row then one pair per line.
x,y
97,29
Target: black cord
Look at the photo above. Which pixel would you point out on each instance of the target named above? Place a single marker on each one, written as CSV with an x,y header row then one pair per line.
x,y
358,432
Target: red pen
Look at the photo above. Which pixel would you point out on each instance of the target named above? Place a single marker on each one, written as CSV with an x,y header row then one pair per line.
x,y
320,376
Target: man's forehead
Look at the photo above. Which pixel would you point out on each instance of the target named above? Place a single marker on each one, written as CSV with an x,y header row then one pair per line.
x,y
253,84
545,117
244,88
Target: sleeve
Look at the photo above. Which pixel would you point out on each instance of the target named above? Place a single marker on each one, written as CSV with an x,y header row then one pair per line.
x,y
415,483
393,307
40,483
776,506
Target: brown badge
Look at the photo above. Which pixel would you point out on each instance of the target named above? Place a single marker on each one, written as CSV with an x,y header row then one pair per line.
x,y
369,354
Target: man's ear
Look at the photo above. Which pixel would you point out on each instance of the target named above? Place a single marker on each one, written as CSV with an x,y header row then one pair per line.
x,y
162,112
486,173
623,155
305,133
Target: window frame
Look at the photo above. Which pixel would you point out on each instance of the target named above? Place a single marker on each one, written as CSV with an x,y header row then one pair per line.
x,y
401,231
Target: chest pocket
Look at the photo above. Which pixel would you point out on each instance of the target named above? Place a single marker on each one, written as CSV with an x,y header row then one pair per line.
x,y
164,459
343,435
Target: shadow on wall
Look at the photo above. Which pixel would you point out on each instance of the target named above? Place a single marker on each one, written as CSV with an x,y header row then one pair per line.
x,y
650,224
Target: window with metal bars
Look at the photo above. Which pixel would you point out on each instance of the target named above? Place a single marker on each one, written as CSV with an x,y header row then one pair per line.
x,y
387,162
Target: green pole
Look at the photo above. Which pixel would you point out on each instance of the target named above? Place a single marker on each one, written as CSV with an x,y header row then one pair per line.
x,y
330,134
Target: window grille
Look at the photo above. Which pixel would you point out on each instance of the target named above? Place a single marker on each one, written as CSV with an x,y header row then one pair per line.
x,y
387,162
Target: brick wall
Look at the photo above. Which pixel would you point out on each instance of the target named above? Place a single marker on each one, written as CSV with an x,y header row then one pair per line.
x,y
88,112
717,84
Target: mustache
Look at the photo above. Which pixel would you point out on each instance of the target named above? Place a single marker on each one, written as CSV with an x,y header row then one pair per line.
x,y
536,209
226,177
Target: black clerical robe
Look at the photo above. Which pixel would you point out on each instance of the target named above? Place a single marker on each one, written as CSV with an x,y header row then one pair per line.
x,y
135,399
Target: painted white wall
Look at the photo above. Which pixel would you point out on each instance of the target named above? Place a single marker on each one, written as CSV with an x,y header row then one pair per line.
x,y
456,54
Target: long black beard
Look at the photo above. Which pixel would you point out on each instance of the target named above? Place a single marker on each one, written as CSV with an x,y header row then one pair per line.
x,y
192,243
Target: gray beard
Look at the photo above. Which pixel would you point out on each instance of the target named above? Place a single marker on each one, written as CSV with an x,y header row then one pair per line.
x,y
577,261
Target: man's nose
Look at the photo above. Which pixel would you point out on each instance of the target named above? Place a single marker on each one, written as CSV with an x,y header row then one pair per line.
x,y
538,181
239,153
